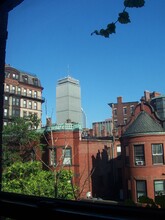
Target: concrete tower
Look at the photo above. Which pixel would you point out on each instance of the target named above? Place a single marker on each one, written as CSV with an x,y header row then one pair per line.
x,y
68,101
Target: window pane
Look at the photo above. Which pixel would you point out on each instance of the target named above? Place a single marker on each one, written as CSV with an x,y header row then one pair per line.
x,y
157,153
139,155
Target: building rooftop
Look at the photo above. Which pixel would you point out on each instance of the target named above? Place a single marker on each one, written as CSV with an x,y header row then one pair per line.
x,y
143,124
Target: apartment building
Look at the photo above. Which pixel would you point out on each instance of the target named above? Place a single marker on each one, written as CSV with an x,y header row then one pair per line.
x,y
22,94
143,152
121,112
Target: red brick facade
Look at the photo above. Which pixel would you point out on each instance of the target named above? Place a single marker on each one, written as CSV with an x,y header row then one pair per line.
x,y
149,172
90,160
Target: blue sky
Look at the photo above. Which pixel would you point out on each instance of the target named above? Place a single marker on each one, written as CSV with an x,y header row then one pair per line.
x,y
52,39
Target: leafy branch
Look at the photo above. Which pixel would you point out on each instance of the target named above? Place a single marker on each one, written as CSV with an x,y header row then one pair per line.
x,y
123,18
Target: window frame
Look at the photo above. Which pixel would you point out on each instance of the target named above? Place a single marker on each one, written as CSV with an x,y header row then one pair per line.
x,y
139,157
160,192
141,192
67,156
157,156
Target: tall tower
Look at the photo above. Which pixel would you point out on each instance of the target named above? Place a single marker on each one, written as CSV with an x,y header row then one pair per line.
x,y
68,101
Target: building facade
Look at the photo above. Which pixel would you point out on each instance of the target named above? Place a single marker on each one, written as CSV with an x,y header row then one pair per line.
x,y
92,160
22,95
103,128
121,112
143,153
68,101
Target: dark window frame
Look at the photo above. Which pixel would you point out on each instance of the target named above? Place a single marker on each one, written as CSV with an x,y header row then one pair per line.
x,y
139,155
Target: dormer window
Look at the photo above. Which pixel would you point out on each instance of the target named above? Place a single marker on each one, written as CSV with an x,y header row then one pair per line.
x,y
25,79
15,76
7,74
35,81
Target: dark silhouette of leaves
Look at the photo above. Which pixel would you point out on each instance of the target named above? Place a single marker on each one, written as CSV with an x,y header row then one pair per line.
x,y
122,19
134,3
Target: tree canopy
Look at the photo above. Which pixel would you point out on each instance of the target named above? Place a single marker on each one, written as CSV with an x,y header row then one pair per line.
x,y
20,140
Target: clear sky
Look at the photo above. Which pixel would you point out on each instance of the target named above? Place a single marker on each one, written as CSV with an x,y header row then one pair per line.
x,y
52,39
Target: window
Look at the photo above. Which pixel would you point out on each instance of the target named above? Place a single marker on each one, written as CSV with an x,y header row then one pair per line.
x,y
25,92
7,74
141,188
5,112
125,121
7,88
139,155
115,123
67,159
15,112
19,90
35,81
25,79
115,112
35,105
5,123
16,101
30,93
118,150
6,99
30,104
24,103
157,154
24,113
124,110
132,108
15,76
159,186
13,89
35,94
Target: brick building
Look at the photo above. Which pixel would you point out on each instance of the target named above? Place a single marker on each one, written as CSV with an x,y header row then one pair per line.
x,y
143,147
121,113
92,160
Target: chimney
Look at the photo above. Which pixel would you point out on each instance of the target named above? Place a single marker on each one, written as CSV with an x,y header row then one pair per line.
x,y
119,99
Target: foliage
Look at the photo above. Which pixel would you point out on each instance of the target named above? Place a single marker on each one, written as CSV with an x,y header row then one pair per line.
x,y
19,141
160,200
134,3
28,178
147,201
64,188
129,202
122,19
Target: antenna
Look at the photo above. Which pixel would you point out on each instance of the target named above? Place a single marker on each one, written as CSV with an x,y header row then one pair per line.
x,y
68,70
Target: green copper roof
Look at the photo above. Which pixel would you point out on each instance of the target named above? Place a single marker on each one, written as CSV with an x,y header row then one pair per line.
x,y
61,127
143,124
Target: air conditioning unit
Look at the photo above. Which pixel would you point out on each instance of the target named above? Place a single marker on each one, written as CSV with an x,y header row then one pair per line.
x,y
140,163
